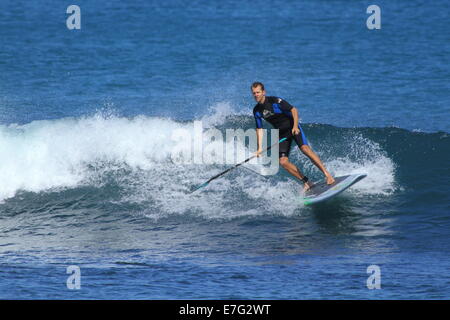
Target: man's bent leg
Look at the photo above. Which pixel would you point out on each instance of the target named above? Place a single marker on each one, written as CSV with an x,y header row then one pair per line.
x,y
317,162
292,169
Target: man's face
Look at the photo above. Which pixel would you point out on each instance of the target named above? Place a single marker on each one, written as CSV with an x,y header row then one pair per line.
x,y
259,94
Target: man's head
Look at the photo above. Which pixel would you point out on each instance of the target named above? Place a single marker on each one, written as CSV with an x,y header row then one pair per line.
x,y
258,92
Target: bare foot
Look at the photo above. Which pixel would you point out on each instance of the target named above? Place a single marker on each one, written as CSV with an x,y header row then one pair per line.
x,y
330,179
307,186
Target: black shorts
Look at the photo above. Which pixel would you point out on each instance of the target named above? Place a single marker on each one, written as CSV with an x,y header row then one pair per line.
x,y
285,146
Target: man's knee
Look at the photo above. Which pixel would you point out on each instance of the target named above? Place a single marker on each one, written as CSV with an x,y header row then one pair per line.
x,y
305,148
284,161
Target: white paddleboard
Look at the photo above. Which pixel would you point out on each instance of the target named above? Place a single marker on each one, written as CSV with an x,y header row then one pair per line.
x,y
321,191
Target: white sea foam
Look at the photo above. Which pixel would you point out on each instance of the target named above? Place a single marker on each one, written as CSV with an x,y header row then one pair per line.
x,y
364,157
46,154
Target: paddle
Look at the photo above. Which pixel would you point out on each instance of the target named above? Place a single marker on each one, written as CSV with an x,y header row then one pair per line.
x,y
229,169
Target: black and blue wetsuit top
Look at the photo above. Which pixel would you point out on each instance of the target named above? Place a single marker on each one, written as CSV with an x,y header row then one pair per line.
x,y
276,111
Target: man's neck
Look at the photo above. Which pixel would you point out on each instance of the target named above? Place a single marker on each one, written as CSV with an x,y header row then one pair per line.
x,y
263,100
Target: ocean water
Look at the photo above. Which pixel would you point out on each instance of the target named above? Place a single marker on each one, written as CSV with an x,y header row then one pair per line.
x,y
88,178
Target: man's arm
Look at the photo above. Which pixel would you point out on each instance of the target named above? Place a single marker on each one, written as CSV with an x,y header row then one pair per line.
x,y
295,129
259,139
259,130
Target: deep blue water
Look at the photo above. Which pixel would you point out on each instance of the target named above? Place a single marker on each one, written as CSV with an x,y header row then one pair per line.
x,y
87,176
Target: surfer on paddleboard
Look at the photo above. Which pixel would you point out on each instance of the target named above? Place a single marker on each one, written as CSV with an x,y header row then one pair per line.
x,y
284,117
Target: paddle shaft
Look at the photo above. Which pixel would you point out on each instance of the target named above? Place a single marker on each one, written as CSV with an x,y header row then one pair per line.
x,y
237,165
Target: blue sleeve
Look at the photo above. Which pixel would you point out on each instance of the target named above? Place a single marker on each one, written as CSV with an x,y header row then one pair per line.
x,y
258,119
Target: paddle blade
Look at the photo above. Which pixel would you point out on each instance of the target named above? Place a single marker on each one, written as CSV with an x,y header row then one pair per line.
x,y
195,188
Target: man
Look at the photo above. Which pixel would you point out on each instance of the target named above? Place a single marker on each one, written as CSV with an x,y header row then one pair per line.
x,y
281,115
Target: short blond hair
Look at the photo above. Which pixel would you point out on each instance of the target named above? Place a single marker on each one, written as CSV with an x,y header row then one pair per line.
x,y
257,84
